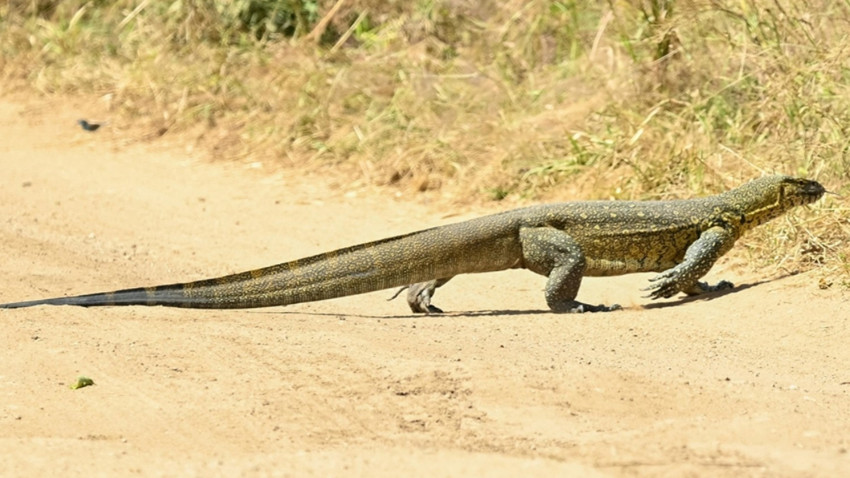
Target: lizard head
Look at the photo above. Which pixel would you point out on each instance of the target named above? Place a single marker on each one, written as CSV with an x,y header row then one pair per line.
x,y
769,197
794,192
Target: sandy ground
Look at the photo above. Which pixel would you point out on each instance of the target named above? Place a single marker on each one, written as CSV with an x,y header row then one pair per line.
x,y
751,383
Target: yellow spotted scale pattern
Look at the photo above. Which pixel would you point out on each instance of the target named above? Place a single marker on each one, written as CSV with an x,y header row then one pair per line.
x,y
681,239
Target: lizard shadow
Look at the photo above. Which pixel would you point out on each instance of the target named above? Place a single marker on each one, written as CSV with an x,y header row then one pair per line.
x,y
505,312
475,313
467,313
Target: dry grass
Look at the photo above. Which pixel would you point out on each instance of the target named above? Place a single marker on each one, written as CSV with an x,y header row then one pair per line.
x,y
481,100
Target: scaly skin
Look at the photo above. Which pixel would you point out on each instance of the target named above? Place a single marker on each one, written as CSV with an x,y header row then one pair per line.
x,y
681,239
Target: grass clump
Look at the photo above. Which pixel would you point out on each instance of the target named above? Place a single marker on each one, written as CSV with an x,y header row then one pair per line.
x,y
493,100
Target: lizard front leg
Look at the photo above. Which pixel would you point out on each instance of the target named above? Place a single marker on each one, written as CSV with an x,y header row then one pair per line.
x,y
699,258
553,253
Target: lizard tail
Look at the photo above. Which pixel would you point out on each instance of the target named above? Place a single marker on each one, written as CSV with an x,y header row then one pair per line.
x,y
368,267
162,295
353,270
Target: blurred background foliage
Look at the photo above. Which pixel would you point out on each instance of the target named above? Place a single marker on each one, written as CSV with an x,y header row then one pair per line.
x,y
477,100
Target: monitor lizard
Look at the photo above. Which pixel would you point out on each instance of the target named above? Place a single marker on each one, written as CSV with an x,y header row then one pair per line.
x,y
565,242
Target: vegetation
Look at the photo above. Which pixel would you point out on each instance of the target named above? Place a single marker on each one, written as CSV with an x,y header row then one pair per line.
x,y
503,100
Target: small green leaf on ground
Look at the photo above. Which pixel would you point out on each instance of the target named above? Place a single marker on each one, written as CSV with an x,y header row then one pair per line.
x,y
82,382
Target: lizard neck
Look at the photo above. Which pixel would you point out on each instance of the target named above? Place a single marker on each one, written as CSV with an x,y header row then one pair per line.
x,y
755,203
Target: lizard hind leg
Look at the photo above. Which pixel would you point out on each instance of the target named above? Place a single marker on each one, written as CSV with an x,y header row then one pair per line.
x,y
553,253
419,296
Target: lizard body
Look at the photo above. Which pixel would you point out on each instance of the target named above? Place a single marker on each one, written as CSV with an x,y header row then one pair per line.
x,y
681,239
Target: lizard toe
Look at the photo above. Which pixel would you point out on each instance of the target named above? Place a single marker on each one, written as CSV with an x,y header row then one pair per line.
x,y
433,309
722,285
662,291
602,308
422,305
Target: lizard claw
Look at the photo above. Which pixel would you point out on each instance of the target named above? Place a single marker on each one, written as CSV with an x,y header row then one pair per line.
x,y
667,288
666,284
664,275
703,287
433,309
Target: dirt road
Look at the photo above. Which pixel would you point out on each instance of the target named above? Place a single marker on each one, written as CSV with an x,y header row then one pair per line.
x,y
750,383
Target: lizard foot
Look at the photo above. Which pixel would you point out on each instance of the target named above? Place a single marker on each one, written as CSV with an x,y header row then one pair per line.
x,y
576,307
703,287
419,297
421,303
667,286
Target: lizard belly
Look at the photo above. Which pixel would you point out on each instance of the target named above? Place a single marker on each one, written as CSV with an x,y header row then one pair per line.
x,y
630,253
614,267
